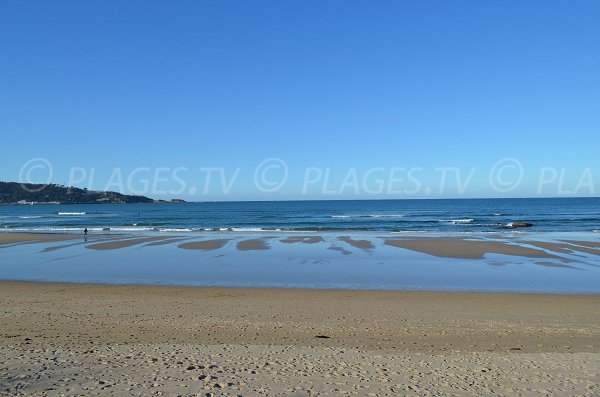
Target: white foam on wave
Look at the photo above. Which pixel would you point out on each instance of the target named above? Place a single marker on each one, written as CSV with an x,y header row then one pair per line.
x,y
133,229
228,229
53,229
129,229
369,216
443,232
457,221
596,231
253,230
71,213
30,217
50,229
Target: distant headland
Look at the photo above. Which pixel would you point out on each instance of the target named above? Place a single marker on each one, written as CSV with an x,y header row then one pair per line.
x,y
31,193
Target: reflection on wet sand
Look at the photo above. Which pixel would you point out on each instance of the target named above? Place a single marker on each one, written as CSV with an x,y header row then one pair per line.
x,y
126,243
206,245
444,247
465,249
58,247
362,244
253,245
591,244
523,262
302,239
554,264
562,247
166,241
341,250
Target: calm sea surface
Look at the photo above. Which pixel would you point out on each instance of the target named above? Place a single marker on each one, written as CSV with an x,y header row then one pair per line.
x,y
465,215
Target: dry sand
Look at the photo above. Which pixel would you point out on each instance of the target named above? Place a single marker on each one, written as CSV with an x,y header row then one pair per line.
x,y
65,339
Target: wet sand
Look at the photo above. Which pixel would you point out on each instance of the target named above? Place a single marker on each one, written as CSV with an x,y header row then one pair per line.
x,y
564,248
529,262
205,245
127,242
66,339
302,239
253,245
591,244
362,244
465,249
445,247
18,238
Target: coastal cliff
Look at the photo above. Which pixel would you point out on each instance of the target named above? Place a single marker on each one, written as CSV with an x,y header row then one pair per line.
x,y
26,193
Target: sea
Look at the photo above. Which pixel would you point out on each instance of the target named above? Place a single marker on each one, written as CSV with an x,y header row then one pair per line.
x,y
152,239
393,216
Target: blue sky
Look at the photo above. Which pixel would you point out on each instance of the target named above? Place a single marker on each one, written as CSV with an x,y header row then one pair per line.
x,y
336,85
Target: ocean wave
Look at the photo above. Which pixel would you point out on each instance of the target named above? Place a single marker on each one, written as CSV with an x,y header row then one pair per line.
x,y
231,229
596,231
50,229
457,221
410,231
129,229
284,229
260,229
71,213
368,216
30,217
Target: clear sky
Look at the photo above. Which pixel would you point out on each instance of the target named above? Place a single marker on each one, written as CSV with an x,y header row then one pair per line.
x,y
336,85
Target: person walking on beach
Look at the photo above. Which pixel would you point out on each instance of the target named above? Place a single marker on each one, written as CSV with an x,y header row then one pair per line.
x,y
85,232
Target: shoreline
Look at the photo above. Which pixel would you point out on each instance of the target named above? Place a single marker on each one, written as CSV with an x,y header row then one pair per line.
x,y
307,289
525,263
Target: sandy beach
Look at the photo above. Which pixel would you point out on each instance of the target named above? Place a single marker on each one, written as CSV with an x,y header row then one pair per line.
x,y
300,199
69,339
